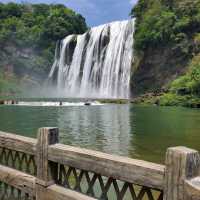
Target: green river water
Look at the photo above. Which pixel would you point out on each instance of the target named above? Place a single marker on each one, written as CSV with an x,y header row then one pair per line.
x,y
142,132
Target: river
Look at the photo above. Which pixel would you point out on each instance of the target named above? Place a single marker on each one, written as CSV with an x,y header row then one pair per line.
x,y
141,132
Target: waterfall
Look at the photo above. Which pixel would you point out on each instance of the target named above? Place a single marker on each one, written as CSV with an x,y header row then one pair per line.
x,y
96,64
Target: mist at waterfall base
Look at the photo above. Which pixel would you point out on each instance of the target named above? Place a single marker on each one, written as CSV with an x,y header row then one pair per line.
x,y
96,64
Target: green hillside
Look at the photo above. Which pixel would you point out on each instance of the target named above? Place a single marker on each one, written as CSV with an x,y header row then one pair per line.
x,y
28,35
167,45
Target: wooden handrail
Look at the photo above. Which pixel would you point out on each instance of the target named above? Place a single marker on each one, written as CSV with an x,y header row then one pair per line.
x,y
26,184
17,179
178,179
192,188
121,168
56,192
18,143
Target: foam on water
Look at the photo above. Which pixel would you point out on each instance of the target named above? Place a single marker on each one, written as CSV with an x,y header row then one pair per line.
x,y
55,104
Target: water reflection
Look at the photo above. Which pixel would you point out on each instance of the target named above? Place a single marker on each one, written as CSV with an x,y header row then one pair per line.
x,y
105,128
134,131
157,128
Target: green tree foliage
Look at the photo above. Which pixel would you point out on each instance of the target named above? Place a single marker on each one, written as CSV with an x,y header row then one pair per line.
x,y
190,82
164,22
185,90
28,36
10,10
28,24
171,28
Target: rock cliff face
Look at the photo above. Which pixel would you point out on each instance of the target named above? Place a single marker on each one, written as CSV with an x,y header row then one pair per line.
x,y
23,61
155,70
166,39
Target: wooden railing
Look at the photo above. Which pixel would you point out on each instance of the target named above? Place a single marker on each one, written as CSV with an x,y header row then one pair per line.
x,y
43,169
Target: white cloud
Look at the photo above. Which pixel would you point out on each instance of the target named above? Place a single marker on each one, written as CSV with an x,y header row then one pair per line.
x,y
84,4
133,2
95,11
6,1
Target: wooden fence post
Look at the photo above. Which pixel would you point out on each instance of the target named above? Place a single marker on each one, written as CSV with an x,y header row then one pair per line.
x,y
47,172
181,164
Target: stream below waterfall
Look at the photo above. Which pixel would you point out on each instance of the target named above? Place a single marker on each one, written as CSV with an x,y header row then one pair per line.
x,y
128,130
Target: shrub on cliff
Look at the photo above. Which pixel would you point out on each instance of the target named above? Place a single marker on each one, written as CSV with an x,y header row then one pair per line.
x,y
167,37
164,22
190,82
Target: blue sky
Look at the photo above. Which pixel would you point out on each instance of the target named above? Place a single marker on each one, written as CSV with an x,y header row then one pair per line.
x,y
96,12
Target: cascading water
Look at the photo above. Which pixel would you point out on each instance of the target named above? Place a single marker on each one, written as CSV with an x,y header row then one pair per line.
x,y
96,64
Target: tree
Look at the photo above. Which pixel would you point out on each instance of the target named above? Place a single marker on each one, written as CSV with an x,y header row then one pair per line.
x,y
10,10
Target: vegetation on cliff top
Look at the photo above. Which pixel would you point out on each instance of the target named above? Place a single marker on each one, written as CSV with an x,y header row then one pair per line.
x,y
167,42
160,22
28,34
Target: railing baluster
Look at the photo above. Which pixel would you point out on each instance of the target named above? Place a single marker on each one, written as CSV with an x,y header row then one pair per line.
x,y
47,172
181,164
179,179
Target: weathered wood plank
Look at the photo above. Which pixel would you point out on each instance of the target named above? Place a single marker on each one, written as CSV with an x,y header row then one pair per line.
x,y
192,189
18,143
22,181
125,169
46,171
181,164
55,192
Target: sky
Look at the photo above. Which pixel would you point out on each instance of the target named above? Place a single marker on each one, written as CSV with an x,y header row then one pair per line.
x,y
96,12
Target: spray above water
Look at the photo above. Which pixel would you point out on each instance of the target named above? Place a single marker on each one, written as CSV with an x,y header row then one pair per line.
x,y
96,64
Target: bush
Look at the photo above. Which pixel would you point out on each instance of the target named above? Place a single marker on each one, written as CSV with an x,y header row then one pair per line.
x,y
190,82
29,32
162,22
33,24
172,100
